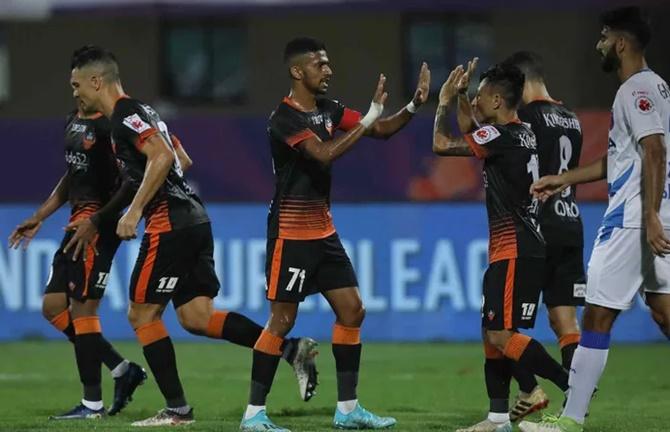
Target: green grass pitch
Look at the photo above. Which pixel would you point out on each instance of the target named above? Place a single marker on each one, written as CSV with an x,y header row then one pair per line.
x,y
427,387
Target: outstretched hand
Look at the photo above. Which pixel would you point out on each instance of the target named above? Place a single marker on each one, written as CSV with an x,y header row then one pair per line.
x,y
380,95
547,186
464,81
423,86
24,232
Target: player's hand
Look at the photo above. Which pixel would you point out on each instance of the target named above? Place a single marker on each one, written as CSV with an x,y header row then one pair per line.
x,y
423,86
449,89
127,227
24,232
547,186
464,81
380,95
656,237
85,235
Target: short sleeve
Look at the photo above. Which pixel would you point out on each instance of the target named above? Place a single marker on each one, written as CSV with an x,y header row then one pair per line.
x,y
639,104
289,128
132,123
343,118
483,141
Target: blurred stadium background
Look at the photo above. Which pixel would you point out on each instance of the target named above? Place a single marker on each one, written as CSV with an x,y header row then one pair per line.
x,y
414,224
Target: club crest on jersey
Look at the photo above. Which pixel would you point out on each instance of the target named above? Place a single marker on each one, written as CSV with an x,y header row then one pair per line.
x,y
644,105
135,123
89,139
485,135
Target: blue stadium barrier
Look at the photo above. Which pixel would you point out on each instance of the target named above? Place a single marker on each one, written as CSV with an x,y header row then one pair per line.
x,y
419,266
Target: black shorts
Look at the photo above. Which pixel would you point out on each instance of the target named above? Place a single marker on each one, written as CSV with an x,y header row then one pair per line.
x,y
295,269
564,279
511,293
81,279
175,265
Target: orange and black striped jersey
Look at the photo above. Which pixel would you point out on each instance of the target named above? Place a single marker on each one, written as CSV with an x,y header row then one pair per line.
x,y
559,145
175,204
92,174
300,208
510,166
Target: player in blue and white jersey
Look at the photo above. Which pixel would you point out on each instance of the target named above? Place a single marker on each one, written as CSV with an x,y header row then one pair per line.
x,y
632,247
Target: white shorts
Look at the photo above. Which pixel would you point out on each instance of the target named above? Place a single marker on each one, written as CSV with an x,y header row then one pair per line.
x,y
622,265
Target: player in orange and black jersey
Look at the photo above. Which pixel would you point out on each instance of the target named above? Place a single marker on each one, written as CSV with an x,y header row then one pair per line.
x,y
559,144
493,132
75,284
304,252
175,261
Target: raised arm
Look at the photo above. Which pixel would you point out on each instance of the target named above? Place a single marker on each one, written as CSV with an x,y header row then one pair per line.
x,y
26,230
327,151
465,117
159,161
184,159
386,127
653,173
444,142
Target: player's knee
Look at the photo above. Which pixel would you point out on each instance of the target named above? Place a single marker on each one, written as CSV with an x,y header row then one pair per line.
x,y
599,319
353,317
139,315
52,308
497,338
562,325
281,324
663,321
84,309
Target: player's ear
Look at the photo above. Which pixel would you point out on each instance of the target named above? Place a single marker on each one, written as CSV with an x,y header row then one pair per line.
x,y
296,72
96,82
620,44
497,101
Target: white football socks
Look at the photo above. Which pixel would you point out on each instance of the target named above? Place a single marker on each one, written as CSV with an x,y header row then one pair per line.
x,y
498,418
346,407
120,369
94,405
587,367
252,410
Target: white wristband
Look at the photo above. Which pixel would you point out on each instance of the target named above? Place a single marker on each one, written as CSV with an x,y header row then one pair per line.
x,y
373,114
411,107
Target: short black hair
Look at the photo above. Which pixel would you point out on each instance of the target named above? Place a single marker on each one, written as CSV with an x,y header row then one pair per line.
x,y
302,45
528,62
91,54
631,20
509,79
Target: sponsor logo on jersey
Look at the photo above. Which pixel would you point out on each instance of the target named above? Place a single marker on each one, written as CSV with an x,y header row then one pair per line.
x,y
528,140
485,135
78,128
76,160
135,123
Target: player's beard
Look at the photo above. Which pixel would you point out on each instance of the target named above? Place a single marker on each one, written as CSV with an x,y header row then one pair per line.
x,y
610,62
